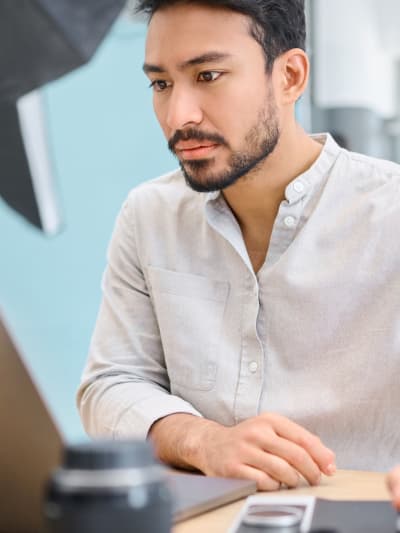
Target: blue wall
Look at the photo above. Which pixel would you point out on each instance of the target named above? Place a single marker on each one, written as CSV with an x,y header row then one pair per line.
x,y
104,141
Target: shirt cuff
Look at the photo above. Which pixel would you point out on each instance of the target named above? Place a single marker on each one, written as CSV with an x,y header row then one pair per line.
x,y
137,420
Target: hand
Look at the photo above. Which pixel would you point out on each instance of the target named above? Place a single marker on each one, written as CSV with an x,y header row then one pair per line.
x,y
269,449
393,483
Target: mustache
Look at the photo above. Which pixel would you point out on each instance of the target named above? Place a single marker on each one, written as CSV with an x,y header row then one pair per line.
x,y
192,134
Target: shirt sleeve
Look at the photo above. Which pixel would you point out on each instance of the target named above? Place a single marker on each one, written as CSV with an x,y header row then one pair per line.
x,y
125,386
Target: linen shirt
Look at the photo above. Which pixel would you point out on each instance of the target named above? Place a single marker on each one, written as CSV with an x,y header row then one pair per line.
x,y
186,325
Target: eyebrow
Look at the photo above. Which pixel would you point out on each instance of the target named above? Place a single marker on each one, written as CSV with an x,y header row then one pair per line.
x,y
209,57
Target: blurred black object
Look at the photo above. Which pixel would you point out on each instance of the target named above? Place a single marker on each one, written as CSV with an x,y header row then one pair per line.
x,y
16,186
108,487
40,40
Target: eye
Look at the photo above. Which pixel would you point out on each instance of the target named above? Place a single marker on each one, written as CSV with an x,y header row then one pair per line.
x,y
159,85
209,75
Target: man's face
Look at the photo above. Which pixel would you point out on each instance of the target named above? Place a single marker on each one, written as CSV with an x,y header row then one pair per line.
x,y
212,95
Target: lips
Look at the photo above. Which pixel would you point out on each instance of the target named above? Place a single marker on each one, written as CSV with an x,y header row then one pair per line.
x,y
195,149
192,145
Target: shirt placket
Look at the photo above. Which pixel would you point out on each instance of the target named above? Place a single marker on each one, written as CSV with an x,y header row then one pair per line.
x,y
253,349
251,372
288,222
250,375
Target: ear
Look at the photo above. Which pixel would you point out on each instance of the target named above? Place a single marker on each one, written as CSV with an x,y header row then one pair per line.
x,y
293,69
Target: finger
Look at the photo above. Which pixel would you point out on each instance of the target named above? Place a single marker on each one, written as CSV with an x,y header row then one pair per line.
x,y
393,483
296,457
275,467
264,481
321,455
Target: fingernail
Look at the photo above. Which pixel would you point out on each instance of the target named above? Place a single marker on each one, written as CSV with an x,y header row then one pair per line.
x,y
331,469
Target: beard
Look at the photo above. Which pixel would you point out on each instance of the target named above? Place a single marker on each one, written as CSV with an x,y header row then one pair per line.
x,y
260,141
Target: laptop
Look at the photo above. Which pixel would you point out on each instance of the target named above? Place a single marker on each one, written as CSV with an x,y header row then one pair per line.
x,y
31,448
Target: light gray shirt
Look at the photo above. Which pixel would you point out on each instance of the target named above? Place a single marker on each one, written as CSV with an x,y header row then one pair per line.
x,y
186,325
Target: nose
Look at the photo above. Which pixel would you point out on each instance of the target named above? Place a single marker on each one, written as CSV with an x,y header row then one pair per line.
x,y
183,109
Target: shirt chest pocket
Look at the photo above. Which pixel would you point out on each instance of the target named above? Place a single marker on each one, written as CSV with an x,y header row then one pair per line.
x,y
190,311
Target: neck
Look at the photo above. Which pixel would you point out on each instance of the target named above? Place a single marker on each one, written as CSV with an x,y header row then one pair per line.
x,y
255,198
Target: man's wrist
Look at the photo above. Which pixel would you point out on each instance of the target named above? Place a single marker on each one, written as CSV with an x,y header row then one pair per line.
x,y
180,438
194,445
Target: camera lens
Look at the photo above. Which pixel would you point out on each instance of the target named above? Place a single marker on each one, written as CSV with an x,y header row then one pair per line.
x,y
108,486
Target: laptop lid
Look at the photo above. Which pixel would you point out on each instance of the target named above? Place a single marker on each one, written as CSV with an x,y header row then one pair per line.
x,y
31,447
31,444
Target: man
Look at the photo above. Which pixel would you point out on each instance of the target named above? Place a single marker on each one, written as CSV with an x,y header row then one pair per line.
x,y
249,324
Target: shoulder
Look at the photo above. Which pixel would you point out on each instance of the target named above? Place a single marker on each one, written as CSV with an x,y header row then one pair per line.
x,y
369,187
169,190
163,204
379,171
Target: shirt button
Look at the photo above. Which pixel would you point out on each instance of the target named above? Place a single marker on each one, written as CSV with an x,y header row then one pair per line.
x,y
298,186
253,366
289,221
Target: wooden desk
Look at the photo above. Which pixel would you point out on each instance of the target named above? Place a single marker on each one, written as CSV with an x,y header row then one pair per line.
x,y
345,485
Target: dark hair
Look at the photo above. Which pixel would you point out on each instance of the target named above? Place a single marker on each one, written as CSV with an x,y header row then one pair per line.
x,y
277,25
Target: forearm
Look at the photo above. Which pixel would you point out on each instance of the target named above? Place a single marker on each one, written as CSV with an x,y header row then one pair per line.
x,y
179,440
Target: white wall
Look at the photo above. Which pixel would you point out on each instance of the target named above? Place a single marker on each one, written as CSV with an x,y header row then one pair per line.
x,y
354,66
